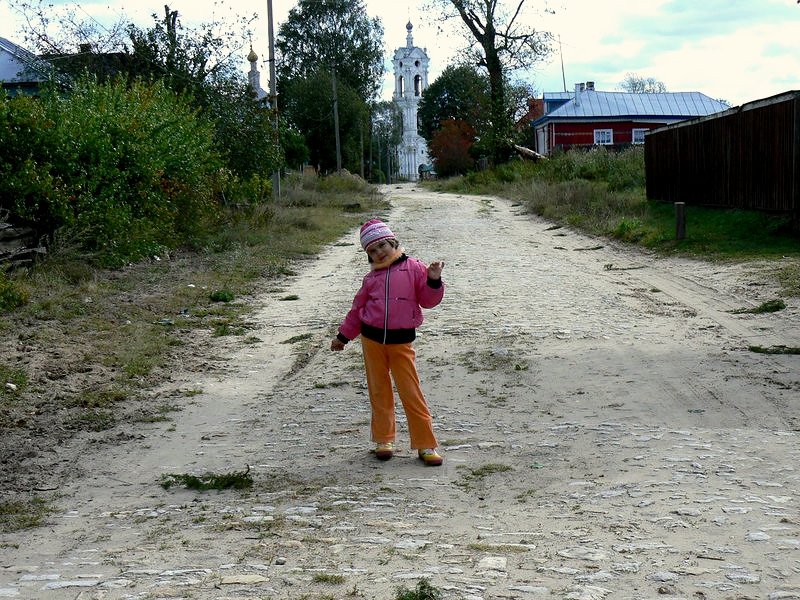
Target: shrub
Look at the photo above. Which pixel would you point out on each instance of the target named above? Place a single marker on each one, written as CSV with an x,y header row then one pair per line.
x,y
450,147
122,167
11,296
620,170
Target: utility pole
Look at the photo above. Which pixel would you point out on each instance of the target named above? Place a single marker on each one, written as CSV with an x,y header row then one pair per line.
x,y
336,125
273,97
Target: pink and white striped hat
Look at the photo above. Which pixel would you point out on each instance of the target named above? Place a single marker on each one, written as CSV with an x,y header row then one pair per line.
x,y
374,231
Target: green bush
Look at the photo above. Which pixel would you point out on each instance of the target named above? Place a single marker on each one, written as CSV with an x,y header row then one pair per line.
x,y
123,168
11,295
423,591
622,170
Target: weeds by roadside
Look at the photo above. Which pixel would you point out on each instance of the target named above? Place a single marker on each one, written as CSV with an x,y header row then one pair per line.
x,y
603,194
237,480
23,513
769,306
83,349
424,590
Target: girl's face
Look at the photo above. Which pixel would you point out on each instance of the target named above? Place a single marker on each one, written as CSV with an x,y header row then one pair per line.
x,y
380,251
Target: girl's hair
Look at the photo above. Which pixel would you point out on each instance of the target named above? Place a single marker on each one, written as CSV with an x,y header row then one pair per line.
x,y
393,242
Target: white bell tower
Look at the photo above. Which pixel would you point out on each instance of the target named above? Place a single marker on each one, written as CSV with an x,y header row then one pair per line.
x,y
410,81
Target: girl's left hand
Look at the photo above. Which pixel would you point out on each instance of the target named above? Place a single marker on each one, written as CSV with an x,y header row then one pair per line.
x,y
435,270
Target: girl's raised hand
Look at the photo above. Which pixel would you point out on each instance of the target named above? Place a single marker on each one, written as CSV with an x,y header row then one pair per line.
x,y
435,270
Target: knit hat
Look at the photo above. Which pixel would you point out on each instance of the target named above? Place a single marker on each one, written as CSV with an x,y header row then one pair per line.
x,y
374,231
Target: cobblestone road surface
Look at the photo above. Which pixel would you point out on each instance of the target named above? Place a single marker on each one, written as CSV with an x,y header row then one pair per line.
x,y
606,431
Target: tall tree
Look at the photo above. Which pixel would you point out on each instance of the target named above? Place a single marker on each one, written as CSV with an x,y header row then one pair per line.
x,y
333,43
332,35
636,84
505,43
460,93
451,148
308,102
387,133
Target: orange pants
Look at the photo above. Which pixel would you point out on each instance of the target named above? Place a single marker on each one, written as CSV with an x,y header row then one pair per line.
x,y
398,359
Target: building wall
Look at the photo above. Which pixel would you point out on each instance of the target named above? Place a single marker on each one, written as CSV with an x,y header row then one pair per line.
x,y
568,135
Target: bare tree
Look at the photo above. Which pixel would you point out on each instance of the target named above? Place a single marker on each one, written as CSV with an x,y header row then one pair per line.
x,y
506,42
636,84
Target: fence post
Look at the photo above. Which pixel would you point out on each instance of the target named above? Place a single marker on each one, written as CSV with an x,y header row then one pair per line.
x,y
680,220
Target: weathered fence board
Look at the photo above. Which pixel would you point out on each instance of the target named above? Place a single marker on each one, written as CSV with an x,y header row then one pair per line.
x,y
745,157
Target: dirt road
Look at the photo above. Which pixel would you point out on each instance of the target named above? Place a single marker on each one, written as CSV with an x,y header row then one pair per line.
x,y
606,431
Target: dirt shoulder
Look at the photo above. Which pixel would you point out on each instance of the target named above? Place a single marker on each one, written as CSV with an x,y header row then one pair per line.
x,y
607,432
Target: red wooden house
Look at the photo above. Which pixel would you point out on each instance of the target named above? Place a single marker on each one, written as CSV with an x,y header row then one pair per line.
x,y
587,117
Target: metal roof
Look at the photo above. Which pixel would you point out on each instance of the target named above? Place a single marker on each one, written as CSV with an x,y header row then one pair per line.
x,y
20,65
591,104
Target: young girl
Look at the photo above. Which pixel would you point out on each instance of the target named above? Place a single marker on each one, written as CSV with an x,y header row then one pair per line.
x,y
386,312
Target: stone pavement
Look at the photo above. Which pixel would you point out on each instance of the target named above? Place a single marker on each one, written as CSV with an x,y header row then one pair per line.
x,y
606,433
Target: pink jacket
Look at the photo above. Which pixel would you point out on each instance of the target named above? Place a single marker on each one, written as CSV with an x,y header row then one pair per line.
x,y
388,307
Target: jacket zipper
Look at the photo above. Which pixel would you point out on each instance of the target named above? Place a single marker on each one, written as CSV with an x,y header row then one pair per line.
x,y
386,306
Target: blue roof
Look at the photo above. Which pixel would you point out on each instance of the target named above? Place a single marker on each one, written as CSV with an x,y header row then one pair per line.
x,y
592,104
20,65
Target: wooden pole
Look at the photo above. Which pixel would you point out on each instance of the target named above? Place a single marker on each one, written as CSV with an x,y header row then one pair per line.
x,y
273,95
680,220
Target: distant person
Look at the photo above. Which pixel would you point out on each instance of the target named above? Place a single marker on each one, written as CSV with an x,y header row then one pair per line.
x,y
386,311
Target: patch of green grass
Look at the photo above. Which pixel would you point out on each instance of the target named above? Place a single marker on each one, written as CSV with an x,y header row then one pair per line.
x,y
774,349
290,298
12,294
424,590
789,278
160,414
237,480
103,398
498,548
328,578
298,338
477,475
13,375
19,514
769,306
225,328
95,419
221,296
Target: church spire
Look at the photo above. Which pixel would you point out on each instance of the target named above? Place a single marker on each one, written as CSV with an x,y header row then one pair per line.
x,y
409,37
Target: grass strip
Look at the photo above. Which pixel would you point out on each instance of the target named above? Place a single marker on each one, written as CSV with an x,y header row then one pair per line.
x,y
237,480
770,306
774,349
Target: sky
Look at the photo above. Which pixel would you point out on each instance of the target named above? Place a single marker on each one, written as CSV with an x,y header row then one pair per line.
x,y
734,50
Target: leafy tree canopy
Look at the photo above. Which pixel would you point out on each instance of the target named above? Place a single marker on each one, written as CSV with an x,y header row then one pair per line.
x,y
461,93
308,103
200,64
451,146
332,34
500,39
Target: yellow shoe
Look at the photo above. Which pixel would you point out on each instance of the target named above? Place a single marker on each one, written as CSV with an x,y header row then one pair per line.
x,y
430,457
384,451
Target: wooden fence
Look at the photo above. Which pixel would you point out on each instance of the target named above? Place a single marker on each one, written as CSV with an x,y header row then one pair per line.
x,y
745,157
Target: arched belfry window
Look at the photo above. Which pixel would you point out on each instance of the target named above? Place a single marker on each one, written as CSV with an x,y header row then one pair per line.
x,y
401,86
417,85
